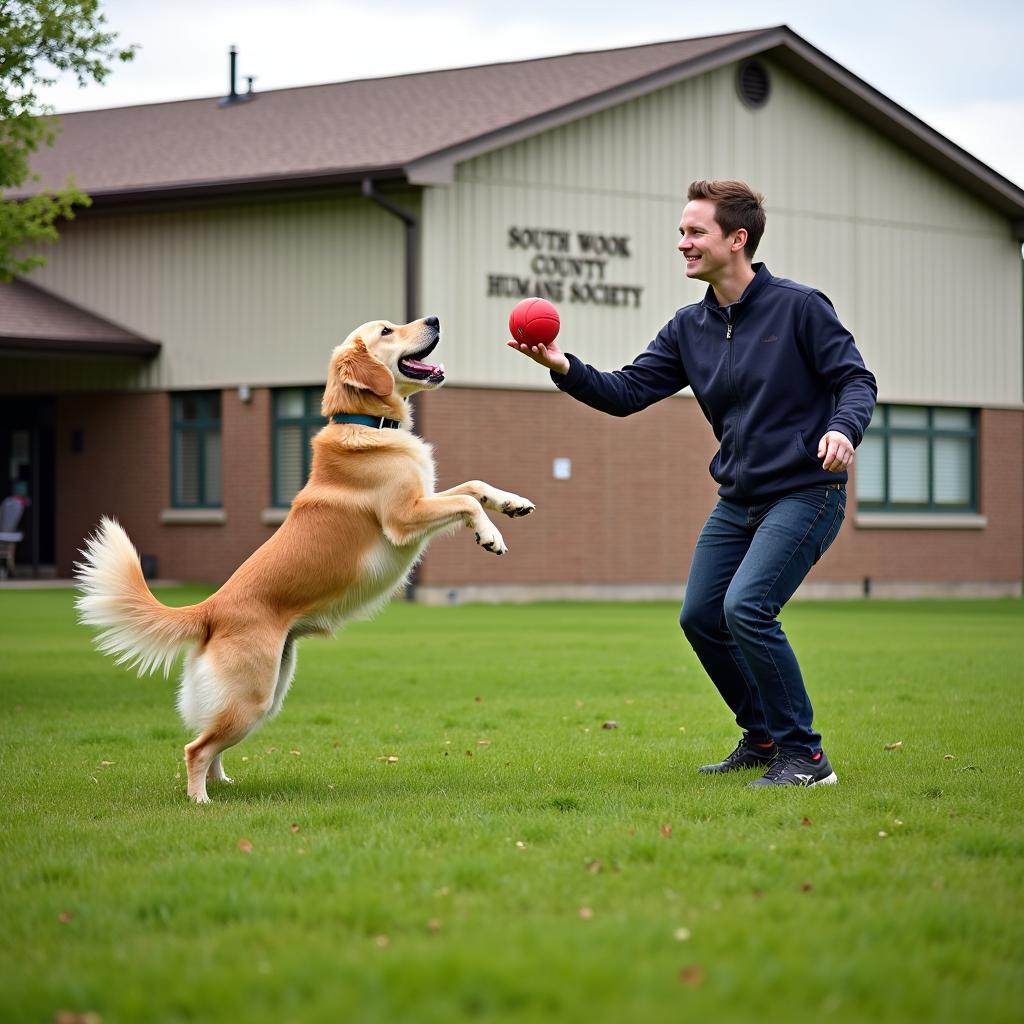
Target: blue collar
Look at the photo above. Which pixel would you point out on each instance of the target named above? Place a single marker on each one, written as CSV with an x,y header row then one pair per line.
x,y
365,421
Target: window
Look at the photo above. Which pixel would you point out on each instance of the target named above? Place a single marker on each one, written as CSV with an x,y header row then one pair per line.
x,y
919,459
195,450
296,419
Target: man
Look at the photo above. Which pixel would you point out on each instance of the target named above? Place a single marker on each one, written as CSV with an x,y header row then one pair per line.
x,y
789,398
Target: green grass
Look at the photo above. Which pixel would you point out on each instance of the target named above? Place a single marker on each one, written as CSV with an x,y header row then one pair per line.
x,y
448,886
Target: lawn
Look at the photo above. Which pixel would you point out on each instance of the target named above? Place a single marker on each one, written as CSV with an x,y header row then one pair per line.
x,y
439,827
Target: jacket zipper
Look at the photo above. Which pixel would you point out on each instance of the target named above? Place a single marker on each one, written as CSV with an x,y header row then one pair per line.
x,y
739,404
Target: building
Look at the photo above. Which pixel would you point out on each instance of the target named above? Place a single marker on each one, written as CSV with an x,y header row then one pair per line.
x,y
166,364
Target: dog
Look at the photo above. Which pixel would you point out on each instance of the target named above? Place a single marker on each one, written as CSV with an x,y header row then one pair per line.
x,y
349,542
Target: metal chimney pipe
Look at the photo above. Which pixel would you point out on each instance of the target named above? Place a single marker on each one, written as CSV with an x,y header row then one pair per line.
x,y
233,52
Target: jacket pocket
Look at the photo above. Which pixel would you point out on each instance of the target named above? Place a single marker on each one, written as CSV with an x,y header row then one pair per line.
x,y
798,441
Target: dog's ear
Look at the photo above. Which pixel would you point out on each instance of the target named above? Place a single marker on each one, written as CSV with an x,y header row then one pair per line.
x,y
362,370
355,367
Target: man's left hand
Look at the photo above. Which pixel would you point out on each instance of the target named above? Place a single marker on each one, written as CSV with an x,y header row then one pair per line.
x,y
837,451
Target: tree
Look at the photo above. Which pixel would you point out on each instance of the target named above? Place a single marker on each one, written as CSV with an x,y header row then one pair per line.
x,y
39,38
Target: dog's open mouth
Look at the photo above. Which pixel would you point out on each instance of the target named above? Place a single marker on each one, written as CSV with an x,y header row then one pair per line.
x,y
415,368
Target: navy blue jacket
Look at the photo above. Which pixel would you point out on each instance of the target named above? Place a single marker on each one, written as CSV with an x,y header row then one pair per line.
x,y
772,373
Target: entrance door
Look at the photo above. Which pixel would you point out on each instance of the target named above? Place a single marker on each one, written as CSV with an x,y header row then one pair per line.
x,y
28,469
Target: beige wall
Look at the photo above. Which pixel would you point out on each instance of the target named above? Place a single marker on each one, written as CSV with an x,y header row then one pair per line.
x,y
252,293
926,276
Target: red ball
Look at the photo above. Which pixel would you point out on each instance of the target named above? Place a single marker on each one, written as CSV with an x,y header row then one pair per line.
x,y
534,322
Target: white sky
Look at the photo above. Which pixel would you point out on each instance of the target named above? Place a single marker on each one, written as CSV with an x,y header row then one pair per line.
x,y
954,63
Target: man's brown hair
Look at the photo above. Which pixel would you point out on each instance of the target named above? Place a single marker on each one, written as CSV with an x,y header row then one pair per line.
x,y
737,205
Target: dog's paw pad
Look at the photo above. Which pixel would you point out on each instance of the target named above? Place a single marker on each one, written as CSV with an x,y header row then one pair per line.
x,y
515,509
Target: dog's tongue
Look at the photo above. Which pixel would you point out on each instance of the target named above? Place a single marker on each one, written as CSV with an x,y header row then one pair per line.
x,y
415,364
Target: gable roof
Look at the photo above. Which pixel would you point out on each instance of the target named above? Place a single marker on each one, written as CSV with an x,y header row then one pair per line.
x,y
417,127
36,322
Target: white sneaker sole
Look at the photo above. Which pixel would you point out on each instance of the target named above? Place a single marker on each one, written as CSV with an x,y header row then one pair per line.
x,y
830,781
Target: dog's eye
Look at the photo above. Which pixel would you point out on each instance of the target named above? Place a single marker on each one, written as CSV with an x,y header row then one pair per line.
x,y
385,330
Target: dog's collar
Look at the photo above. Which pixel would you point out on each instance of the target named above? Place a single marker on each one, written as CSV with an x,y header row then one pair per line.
x,y
365,421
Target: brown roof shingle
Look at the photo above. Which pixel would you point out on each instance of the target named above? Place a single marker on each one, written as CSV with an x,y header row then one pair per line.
x,y
35,321
370,124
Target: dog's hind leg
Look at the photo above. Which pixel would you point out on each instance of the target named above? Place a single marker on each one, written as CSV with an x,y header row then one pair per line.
x,y
226,693
216,773
285,674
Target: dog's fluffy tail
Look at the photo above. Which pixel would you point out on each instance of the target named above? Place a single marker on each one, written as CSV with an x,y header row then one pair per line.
x,y
137,629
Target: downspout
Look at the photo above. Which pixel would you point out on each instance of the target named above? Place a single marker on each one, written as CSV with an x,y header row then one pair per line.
x,y
411,304
411,245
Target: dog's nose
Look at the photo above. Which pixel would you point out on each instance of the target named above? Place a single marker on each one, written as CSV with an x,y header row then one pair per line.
x,y
432,321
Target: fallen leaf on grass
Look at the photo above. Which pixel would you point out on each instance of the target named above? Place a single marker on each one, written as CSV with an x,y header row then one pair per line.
x,y
611,724
105,764
806,821
681,934
520,845
483,743
72,1017
389,759
586,913
898,745
883,835
949,757
381,941
245,845
806,886
65,916
294,826
666,831
692,975
297,753
594,867
434,925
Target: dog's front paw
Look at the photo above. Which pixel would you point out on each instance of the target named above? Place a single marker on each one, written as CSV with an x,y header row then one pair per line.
x,y
514,506
490,540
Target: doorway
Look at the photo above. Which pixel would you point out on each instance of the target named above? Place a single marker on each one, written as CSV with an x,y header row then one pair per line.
x,y
28,469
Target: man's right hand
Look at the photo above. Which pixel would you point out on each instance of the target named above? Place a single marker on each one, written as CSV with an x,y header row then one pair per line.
x,y
549,355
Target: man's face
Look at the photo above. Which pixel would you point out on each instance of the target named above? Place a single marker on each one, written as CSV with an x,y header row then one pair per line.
x,y
706,250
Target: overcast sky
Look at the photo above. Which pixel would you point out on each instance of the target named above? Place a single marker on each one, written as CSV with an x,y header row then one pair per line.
x,y
954,63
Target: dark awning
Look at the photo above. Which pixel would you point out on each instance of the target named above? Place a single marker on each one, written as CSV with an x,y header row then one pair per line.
x,y
37,322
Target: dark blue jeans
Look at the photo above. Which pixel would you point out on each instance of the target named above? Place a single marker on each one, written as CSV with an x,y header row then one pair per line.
x,y
748,562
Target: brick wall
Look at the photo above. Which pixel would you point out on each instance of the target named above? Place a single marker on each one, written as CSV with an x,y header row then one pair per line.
x,y
640,491
638,496
124,470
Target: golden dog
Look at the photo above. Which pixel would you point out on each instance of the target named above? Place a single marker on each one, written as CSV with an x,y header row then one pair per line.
x,y
350,540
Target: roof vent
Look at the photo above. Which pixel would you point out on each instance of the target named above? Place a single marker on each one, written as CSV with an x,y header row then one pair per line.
x,y
753,84
234,96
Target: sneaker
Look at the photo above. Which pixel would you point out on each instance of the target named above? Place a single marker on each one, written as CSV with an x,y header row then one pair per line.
x,y
746,755
793,769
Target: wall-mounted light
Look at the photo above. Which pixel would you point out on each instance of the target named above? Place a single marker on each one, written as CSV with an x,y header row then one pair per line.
x,y
561,469
244,393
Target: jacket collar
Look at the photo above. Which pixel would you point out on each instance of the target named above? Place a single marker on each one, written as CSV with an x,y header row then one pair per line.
x,y
761,278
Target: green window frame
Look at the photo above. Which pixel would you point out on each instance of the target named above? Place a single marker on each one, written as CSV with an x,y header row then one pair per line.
x,y
916,458
295,417
196,474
